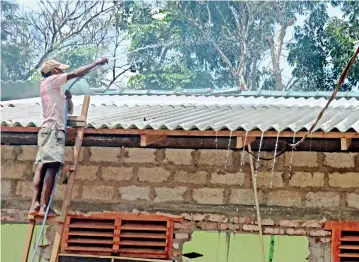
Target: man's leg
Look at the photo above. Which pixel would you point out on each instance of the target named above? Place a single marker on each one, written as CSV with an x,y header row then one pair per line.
x,y
49,181
38,183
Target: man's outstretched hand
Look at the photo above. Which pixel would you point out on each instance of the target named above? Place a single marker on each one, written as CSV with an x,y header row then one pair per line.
x,y
102,61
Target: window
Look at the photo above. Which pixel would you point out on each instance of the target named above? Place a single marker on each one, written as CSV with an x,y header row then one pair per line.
x,y
345,241
127,235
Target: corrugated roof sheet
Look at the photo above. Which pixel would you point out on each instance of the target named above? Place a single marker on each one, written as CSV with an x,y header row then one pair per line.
x,y
198,112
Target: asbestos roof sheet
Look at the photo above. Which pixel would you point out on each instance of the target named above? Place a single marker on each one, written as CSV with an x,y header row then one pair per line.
x,y
173,112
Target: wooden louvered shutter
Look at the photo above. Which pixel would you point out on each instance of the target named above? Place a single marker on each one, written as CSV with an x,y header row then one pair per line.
x,y
345,241
89,235
145,238
125,235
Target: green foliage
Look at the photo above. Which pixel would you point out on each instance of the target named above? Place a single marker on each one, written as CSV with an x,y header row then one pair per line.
x,y
207,37
323,48
197,44
169,77
308,55
15,48
77,56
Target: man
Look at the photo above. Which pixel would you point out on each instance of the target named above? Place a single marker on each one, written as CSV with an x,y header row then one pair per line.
x,y
51,137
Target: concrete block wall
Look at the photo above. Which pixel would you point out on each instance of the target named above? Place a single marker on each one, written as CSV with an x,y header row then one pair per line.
x,y
307,185
319,239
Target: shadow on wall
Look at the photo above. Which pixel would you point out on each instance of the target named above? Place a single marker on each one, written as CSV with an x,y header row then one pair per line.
x,y
230,247
28,89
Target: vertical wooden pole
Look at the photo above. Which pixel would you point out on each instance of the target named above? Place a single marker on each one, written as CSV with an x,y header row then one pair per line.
x,y
30,233
254,183
70,183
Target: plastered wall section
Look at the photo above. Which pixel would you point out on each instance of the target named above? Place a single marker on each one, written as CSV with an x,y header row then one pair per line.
x,y
302,185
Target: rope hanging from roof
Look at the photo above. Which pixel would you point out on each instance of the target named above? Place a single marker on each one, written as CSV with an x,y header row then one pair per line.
x,y
334,94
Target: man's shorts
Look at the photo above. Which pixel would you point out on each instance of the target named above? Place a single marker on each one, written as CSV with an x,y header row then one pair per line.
x,y
51,144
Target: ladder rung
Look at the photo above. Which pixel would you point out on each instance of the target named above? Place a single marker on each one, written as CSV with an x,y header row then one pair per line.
x,y
41,218
77,118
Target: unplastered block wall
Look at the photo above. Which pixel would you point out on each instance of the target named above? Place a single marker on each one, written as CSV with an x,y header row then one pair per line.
x,y
303,185
319,239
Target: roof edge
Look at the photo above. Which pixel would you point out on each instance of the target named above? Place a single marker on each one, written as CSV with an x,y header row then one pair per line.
x,y
227,92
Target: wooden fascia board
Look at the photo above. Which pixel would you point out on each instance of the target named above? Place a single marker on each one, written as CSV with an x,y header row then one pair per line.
x,y
198,133
345,143
147,140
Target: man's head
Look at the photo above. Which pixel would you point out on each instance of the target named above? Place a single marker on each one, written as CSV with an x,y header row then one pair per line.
x,y
52,67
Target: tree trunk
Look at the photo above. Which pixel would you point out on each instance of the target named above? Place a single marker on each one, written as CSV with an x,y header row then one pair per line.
x,y
276,49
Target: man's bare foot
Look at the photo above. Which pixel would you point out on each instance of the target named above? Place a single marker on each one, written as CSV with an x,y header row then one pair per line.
x,y
51,213
35,208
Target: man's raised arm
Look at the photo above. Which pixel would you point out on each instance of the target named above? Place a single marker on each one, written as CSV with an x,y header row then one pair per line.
x,y
85,69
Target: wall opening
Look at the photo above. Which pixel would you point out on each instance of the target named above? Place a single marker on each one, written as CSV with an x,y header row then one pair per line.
x,y
13,237
228,247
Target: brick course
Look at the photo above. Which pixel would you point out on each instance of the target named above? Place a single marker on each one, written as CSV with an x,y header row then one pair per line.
x,y
164,194
228,178
98,192
12,170
110,173
101,154
199,177
7,152
138,155
353,200
339,160
176,179
284,198
87,173
322,199
179,156
27,153
134,193
344,180
212,196
153,174
307,179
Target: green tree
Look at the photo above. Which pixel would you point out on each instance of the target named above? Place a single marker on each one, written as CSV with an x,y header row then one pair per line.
x,y
227,39
16,51
323,47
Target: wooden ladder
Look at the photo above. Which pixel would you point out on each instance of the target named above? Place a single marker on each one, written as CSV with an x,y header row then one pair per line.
x,y
79,122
